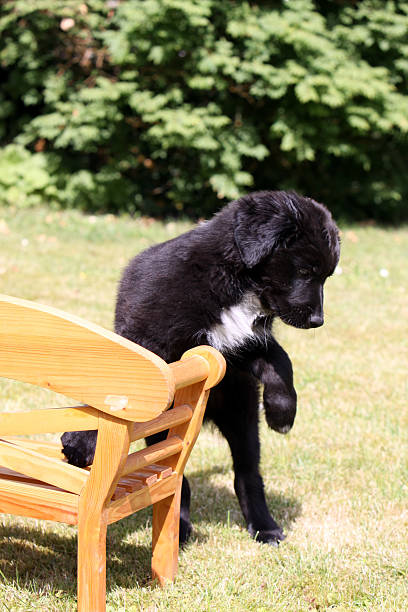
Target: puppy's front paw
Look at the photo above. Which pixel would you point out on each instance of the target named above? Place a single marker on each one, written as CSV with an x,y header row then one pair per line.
x,y
280,409
272,537
79,447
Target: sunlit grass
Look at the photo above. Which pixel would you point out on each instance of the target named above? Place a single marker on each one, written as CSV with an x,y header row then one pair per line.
x,y
338,483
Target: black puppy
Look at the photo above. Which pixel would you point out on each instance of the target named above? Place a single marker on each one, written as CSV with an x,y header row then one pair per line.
x,y
263,256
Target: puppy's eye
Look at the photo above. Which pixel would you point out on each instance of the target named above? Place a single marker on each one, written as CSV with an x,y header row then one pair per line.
x,y
304,272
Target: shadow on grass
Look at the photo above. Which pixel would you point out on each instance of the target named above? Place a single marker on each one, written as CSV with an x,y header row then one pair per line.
x,y
211,503
36,559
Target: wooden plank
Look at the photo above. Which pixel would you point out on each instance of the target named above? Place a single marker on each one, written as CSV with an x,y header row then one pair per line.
x,y
147,496
196,396
152,454
216,363
189,371
170,418
112,447
45,469
49,449
49,420
38,502
144,477
7,474
119,492
166,512
162,471
47,347
131,483
111,452
165,536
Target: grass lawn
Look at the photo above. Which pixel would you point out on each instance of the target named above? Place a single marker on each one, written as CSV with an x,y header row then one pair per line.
x,y
338,483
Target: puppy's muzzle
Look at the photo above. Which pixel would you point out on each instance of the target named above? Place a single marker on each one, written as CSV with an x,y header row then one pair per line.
x,y
316,320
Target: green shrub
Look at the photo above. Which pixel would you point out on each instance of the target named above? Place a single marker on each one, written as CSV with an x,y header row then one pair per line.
x,y
168,106
26,179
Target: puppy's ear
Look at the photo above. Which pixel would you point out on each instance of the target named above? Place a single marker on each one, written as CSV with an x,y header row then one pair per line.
x,y
259,233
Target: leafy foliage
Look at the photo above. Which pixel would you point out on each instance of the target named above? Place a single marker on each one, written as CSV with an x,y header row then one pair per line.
x,y
166,106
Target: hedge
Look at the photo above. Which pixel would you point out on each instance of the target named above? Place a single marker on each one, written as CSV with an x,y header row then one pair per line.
x,y
167,107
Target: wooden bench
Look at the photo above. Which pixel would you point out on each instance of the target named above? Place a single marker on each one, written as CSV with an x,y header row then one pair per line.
x,y
124,391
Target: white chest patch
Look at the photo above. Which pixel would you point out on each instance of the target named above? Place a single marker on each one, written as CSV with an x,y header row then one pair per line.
x,y
236,325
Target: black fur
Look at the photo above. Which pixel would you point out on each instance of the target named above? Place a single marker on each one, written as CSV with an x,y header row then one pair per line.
x,y
270,252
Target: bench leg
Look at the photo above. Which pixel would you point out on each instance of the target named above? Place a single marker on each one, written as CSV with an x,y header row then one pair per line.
x,y
165,539
92,564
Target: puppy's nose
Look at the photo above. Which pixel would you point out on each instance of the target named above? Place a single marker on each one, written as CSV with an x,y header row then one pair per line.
x,y
316,320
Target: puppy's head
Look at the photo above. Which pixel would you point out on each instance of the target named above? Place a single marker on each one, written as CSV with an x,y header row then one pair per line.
x,y
289,245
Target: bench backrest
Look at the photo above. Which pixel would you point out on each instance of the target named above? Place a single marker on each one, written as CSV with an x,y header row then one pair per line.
x,y
66,354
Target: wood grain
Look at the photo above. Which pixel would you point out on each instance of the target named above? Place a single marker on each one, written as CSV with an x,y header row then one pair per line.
x,y
111,451
161,471
49,449
40,467
63,353
141,499
174,416
165,536
49,420
189,371
216,362
152,454
38,502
